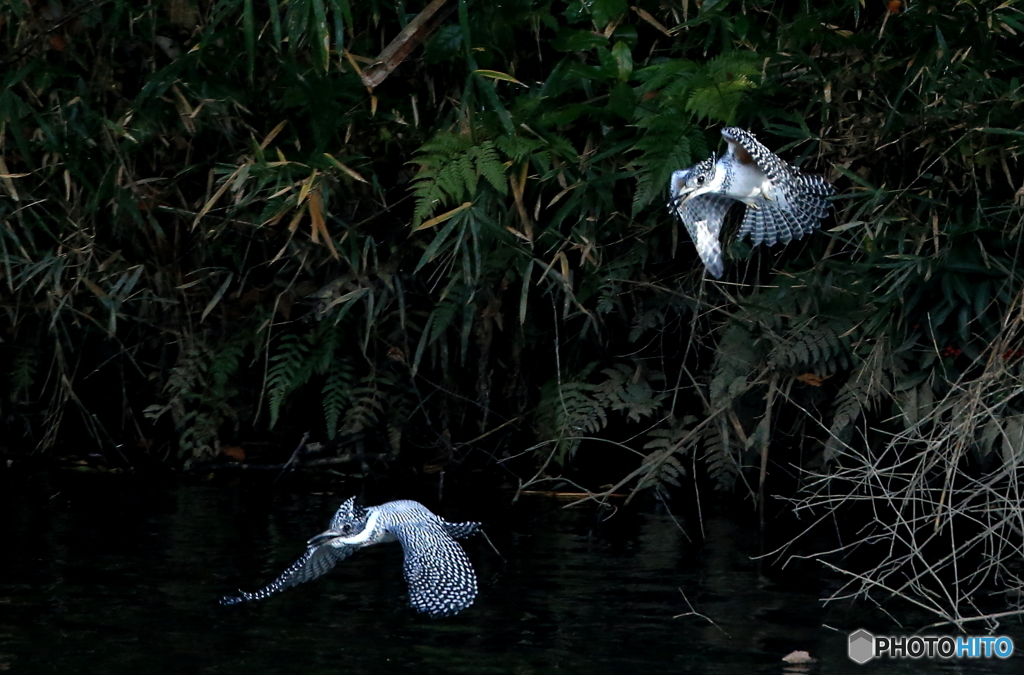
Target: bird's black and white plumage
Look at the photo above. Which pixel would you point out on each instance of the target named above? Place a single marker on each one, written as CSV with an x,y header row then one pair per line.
x,y
782,203
440,577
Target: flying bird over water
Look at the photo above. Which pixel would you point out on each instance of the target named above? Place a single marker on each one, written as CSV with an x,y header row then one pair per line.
x,y
440,577
782,203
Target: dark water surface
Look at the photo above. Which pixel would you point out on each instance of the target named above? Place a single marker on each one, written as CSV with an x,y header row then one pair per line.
x,y
116,574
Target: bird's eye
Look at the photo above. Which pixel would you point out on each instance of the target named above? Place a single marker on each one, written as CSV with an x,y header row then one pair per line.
x,y
346,529
700,180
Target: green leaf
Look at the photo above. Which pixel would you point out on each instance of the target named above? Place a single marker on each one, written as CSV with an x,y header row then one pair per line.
x,y
321,33
249,30
606,11
495,75
445,45
623,59
275,23
622,101
570,40
342,17
297,22
439,240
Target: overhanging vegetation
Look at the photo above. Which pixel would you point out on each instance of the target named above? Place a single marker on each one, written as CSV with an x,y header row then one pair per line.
x,y
227,220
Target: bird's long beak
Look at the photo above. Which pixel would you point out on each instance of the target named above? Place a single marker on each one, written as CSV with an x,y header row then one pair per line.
x,y
322,538
680,193
679,183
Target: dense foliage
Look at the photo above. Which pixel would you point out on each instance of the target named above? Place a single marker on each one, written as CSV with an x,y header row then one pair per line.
x,y
212,227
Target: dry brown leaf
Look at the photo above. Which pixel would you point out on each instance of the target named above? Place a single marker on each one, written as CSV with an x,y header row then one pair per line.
x,y
235,452
812,379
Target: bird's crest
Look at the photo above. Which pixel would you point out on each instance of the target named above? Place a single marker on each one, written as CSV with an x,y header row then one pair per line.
x,y
782,203
348,514
441,578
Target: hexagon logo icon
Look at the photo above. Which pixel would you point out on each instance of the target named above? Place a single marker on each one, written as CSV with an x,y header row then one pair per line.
x,y
862,646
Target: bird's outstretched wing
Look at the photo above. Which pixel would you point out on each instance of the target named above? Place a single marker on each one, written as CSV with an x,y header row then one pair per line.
x,y
745,147
440,577
703,216
460,530
315,562
796,203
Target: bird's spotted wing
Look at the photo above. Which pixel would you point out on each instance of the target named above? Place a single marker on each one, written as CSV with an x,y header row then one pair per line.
x,y
315,562
460,530
746,148
440,577
769,224
796,203
703,215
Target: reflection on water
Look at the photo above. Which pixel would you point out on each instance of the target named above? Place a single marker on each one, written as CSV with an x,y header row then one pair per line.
x,y
108,574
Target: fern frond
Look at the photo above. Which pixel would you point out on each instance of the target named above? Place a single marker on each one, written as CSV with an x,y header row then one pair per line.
x,y
628,390
661,467
561,146
188,372
225,364
568,412
868,381
197,398
337,393
668,77
574,409
324,341
669,143
428,193
819,346
289,368
614,272
718,90
730,65
465,176
198,435
451,166
718,103
23,372
737,357
401,405
489,166
517,148
367,404
668,444
721,465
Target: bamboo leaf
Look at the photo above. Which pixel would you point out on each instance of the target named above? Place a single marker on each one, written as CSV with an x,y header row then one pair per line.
x,y
352,173
439,240
437,220
275,23
249,32
524,294
216,196
273,134
321,32
319,225
342,14
495,75
215,300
